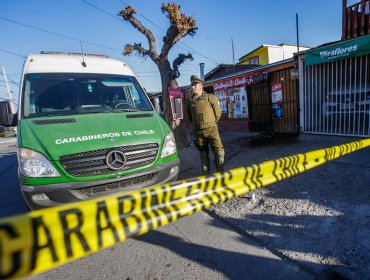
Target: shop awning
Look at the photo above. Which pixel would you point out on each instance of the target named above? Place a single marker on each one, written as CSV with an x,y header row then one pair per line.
x,y
346,49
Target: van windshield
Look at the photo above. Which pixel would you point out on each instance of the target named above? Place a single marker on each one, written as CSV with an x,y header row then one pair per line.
x,y
52,94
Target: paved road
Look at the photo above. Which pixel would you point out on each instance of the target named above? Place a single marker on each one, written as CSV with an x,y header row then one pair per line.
x,y
11,199
196,247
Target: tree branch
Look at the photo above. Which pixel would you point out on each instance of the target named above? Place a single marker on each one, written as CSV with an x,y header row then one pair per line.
x,y
181,25
128,15
180,60
140,51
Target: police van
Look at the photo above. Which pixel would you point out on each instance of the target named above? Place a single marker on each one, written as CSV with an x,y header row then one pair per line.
x,y
86,128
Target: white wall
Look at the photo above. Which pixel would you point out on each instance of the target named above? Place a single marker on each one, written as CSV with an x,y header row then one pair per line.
x,y
278,53
275,53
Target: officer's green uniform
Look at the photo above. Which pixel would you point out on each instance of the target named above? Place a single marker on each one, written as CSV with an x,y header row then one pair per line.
x,y
204,113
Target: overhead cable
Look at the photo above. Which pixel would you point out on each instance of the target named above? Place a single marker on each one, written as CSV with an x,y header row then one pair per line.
x,y
60,35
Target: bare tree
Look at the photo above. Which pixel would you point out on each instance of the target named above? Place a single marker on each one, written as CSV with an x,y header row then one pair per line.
x,y
181,25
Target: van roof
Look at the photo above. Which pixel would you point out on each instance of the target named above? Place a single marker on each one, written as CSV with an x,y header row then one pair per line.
x,y
75,63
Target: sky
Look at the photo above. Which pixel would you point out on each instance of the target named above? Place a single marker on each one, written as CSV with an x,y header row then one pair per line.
x,y
92,26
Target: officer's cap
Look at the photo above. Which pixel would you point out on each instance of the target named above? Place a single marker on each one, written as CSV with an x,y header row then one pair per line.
x,y
194,80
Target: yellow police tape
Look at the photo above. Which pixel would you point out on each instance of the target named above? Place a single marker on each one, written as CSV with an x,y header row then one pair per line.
x,y
43,239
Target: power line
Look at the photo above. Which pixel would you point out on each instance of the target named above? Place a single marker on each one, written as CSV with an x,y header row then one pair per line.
x,y
16,54
188,47
60,35
14,82
11,92
148,72
10,81
12,101
156,25
105,12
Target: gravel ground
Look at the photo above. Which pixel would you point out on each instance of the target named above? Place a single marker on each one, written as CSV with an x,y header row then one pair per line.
x,y
319,219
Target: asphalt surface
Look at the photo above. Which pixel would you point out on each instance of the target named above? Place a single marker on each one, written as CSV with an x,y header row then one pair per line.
x,y
201,246
11,199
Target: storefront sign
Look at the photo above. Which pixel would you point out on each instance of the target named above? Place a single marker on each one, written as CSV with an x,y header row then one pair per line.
x,y
345,49
240,81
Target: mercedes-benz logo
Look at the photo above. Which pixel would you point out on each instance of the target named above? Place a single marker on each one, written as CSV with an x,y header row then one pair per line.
x,y
115,159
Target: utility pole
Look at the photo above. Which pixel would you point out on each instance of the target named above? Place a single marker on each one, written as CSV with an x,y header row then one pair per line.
x,y
297,30
8,90
232,47
201,65
344,20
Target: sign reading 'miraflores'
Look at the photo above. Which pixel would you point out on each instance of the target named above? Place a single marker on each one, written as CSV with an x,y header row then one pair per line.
x,y
335,52
330,54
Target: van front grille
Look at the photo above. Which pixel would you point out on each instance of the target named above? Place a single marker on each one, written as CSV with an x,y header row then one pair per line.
x,y
115,186
94,163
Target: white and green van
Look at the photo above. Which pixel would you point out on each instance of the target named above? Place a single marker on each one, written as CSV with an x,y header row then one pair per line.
x,y
85,129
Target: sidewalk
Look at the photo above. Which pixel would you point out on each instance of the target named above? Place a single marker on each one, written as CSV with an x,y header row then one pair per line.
x,y
317,219
242,149
234,241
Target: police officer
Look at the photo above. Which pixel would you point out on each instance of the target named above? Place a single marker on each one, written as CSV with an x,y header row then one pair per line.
x,y
204,112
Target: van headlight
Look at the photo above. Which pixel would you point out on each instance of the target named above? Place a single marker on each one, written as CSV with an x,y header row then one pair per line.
x,y
34,164
169,145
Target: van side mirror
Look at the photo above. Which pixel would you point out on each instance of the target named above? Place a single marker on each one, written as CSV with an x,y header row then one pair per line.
x,y
6,116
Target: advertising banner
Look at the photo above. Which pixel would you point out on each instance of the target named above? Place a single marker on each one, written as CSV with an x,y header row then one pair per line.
x,y
174,90
345,49
277,94
175,93
276,100
221,96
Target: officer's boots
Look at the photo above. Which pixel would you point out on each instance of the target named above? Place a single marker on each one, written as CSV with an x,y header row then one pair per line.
x,y
204,160
219,160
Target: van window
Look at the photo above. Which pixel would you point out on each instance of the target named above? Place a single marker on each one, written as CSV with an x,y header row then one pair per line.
x,y
49,94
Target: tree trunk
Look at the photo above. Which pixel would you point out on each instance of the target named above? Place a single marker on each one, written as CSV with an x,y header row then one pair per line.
x,y
181,136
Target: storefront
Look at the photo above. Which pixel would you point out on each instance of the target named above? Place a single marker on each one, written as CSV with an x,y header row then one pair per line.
x,y
274,102
336,88
263,99
232,94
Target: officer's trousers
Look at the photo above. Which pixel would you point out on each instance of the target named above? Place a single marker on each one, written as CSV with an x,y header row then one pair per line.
x,y
209,137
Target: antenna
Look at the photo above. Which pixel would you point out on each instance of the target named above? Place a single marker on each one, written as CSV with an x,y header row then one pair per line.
x,y
232,47
201,70
83,56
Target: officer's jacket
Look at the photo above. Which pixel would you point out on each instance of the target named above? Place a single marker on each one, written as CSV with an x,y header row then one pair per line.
x,y
203,111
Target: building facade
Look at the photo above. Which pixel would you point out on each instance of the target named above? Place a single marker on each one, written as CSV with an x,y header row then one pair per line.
x,y
268,54
335,79
261,99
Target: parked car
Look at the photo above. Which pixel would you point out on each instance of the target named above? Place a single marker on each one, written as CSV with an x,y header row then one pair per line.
x,y
354,100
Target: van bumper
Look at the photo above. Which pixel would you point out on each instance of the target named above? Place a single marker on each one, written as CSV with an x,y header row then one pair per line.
x,y
42,196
